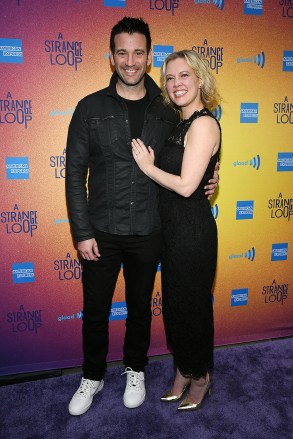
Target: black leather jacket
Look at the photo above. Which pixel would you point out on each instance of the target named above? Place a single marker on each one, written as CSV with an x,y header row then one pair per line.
x,y
120,198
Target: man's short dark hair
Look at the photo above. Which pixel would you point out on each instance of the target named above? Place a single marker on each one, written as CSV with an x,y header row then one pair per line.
x,y
131,25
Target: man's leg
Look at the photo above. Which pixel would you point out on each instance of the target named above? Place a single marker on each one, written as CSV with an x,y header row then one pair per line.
x,y
99,280
140,260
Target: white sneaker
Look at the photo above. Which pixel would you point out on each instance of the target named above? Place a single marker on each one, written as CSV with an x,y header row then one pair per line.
x,y
83,397
134,394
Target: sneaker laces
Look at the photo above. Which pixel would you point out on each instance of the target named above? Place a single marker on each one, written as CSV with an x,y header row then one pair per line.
x,y
85,387
134,379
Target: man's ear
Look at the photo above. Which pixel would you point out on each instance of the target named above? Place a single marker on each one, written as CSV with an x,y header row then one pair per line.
x,y
112,58
150,57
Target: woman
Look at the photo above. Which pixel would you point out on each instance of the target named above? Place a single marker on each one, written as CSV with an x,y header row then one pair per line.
x,y
189,253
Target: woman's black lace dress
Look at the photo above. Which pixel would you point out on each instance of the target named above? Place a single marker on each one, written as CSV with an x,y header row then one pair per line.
x,y
189,256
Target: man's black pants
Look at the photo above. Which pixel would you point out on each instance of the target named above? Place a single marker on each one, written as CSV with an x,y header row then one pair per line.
x,y
139,256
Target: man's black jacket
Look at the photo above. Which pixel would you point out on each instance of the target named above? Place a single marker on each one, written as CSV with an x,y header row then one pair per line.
x,y
105,189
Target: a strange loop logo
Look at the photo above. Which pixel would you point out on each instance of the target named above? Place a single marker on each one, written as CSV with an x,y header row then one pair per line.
x,y
156,304
19,221
15,111
25,320
281,207
213,54
284,111
63,52
275,293
167,5
249,255
253,7
254,162
218,3
58,162
68,268
258,59
286,8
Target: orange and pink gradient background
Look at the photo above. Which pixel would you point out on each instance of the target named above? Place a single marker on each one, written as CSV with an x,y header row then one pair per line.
x,y
58,88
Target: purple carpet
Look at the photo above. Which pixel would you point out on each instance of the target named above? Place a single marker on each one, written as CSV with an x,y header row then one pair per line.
x,y
252,399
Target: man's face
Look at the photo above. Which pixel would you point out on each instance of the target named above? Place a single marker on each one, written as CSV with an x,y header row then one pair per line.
x,y
130,58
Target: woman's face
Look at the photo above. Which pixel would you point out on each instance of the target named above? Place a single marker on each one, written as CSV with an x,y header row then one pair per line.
x,y
182,84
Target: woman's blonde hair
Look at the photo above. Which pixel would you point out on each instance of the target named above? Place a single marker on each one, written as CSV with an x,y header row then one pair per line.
x,y
209,94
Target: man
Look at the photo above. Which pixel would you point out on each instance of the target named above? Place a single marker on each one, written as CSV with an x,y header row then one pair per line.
x,y
117,221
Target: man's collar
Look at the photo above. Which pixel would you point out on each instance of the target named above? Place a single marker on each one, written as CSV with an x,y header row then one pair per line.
x,y
151,87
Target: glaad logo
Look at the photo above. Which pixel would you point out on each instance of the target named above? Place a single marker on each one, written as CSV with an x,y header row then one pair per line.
x,y
11,51
19,221
275,292
285,162
78,315
218,3
248,112
287,8
157,304
239,297
288,61
61,220
254,162
23,272
58,163
253,7
215,211
281,207
160,54
259,60
115,3
68,268
25,321
213,54
168,5
17,168
284,111
217,112
249,254
67,112
17,111
118,311
244,210
280,252
64,52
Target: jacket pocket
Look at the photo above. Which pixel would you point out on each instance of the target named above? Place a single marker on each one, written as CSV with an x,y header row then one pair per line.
x,y
158,130
104,130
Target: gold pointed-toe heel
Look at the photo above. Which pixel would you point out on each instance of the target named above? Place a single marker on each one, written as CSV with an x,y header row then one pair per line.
x,y
189,406
169,397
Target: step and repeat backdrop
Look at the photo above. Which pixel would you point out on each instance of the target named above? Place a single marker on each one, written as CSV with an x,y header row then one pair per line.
x,y
54,52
